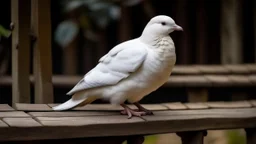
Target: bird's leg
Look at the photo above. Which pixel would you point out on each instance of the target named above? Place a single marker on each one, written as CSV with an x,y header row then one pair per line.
x,y
128,111
140,108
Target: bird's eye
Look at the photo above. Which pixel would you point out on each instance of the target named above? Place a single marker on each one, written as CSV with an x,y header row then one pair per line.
x,y
163,23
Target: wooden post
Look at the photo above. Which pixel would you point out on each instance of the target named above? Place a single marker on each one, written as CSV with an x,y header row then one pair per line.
x,y
192,137
135,140
41,31
125,26
231,32
20,13
251,136
197,95
201,44
254,15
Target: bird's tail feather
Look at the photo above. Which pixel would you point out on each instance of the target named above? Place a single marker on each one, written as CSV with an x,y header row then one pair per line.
x,y
76,100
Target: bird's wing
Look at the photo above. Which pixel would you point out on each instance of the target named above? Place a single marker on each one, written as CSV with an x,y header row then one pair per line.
x,y
118,64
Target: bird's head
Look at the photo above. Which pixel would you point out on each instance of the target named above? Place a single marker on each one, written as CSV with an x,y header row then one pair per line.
x,y
161,25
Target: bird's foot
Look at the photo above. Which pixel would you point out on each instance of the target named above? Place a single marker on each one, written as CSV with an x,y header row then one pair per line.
x,y
142,109
128,111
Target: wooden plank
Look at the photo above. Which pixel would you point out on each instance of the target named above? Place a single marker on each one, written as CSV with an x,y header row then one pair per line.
x,y
252,79
253,103
251,68
20,51
233,104
71,114
80,121
175,121
154,107
250,135
2,124
6,107
192,137
219,80
231,28
238,69
189,81
175,106
196,105
21,122
213,69
197,95
187,69
240,80
32,107
42,62
99,107
13,114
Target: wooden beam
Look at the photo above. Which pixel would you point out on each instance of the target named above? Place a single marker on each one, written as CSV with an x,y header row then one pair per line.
x,y
192,137
20,51
231,32
250,135
254,15
41,30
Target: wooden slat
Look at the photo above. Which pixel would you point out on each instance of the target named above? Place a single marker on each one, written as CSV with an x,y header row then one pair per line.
x,y
251,68
6,107
2,124
13,114
79,121
213,69
20,51
160,122
233,104
238,69
196,105
219,80
42,62
98,107
32,107
187,69
175,106
154,107
252,78
71,114
231,28
253,102
239,80
191,81
21,122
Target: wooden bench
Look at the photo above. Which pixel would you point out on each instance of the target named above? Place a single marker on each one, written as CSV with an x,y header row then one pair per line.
x,y
95,123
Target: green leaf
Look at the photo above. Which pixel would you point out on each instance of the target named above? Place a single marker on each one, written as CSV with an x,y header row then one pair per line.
x,y
4,32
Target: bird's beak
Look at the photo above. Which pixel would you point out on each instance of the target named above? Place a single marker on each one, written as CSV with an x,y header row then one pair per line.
x,y
177,28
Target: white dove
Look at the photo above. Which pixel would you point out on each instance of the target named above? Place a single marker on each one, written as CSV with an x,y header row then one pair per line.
x,y
130,71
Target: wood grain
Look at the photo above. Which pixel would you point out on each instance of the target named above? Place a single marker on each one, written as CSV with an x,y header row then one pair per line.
x,y
118,125
196,105
21,122
13,114
6,107
80,121
20,51
233,104
32,107
175,106
2,124
71,113
42,61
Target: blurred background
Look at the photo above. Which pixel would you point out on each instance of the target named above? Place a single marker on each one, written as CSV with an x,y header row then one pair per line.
x,y
215,32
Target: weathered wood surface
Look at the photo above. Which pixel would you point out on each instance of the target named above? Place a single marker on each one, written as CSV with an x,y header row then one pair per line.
x,y
38,122
20,51
42,62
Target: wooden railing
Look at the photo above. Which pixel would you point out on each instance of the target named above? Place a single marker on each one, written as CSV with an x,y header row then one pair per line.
x,y
98,123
